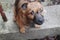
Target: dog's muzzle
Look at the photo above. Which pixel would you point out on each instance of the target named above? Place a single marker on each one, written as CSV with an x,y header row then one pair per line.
x,y
38,19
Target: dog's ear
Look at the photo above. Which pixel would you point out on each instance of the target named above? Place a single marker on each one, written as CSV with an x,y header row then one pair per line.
x,y
24,6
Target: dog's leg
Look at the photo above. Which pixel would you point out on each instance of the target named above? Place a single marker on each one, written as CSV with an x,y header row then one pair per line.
x,y
21,25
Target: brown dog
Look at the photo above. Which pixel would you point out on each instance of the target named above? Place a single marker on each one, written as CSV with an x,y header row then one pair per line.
x,y
25,12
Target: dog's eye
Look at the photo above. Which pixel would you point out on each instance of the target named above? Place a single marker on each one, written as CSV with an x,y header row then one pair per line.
x,y
32,12
24,6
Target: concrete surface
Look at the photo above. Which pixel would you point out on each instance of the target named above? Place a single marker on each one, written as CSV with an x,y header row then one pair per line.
x,y
51,26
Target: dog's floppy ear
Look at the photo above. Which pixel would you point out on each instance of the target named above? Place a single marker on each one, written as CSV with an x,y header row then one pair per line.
x,y
16,6
24,6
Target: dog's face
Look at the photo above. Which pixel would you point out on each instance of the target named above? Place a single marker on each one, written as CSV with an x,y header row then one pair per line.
x,y
32,10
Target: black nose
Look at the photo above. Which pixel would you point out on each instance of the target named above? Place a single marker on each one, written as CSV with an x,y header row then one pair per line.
x,y
38,19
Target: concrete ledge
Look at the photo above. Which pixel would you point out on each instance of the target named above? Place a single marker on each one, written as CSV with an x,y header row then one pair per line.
x,y
51,26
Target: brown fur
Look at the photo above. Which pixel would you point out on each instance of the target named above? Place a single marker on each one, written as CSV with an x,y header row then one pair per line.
x,y
23,17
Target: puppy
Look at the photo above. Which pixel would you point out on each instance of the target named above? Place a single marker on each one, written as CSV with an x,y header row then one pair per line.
x,y
27,11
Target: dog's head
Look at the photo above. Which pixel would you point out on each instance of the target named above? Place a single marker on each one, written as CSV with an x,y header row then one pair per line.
x,y
31,9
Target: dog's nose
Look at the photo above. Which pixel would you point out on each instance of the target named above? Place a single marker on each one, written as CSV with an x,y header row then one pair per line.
x,y
38,19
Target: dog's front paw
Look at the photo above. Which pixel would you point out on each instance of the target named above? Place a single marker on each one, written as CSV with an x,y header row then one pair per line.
x,y
37,26
22,30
